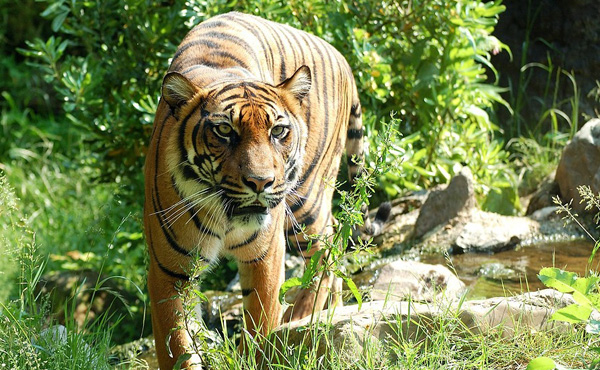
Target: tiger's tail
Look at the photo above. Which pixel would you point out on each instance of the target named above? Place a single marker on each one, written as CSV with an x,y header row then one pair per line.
x,y
356,158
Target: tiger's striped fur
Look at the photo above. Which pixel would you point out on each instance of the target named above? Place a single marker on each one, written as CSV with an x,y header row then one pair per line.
x,y
247,143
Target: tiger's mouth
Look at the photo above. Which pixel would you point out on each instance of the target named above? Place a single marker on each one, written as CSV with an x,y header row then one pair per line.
x,y
249,210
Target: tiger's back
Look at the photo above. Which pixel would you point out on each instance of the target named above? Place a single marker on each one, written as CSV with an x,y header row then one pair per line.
x,y
221,180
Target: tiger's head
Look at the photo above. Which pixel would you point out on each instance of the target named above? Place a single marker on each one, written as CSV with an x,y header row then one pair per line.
x,y
237,145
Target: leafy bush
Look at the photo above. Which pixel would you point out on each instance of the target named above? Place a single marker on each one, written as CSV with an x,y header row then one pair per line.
x,y
425,60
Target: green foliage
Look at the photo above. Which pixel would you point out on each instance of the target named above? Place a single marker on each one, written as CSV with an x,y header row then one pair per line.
x,y
535,115
27,338
106,63
424,60
535,159
329,260
584,290
78,224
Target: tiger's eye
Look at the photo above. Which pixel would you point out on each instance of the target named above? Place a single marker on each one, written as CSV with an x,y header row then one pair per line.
x,y
278,131
223,130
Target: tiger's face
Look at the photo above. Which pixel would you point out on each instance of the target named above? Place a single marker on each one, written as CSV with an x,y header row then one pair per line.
x,y
237,151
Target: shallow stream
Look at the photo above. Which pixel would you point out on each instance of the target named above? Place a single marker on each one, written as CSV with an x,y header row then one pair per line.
x,y
515,271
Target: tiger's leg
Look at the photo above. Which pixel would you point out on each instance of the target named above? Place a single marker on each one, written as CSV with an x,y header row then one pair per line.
x,y
260,279
325,292
166,304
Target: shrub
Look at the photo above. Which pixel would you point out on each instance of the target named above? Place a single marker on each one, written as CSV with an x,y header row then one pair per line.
x,y
425,60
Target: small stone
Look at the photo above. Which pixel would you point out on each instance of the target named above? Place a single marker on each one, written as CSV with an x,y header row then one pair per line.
x,y
492,233
443,205
497,271
421,282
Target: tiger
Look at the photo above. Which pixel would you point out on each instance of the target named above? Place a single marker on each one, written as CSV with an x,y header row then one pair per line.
x,y
246,145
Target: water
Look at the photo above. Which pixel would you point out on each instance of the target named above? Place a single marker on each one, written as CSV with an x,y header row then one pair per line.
x,y
515,271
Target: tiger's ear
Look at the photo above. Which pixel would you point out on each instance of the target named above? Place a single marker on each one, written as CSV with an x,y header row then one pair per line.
x,y
177,89
299,84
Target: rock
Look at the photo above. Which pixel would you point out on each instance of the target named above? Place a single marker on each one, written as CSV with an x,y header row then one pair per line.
x,y
398,230
543,196
141,351
349,328
544,214
222,308
401,222
493,233
498,271
54,336
529,310
234,285
481,232
56,339
580,164
421,282
443,205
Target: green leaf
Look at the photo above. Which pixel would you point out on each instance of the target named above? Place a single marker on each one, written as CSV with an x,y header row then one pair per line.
x,y
573,313
287,285
558,279
59,20
541,363
351,286
582,299
502,199
181,359
312,267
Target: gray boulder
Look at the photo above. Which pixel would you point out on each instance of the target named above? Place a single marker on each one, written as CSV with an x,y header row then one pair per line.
x,y
529,310
580,164
349,329
419,281
492,233
443,205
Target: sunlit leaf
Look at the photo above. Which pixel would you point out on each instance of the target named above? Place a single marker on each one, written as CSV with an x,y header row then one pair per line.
x,y
541,363
558,279
180,360
573,313
287,285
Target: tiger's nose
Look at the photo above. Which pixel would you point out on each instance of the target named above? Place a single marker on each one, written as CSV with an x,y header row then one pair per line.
x,y
258,183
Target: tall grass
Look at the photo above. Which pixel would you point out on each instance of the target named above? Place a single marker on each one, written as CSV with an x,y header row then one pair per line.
x,y
29,338
441,341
